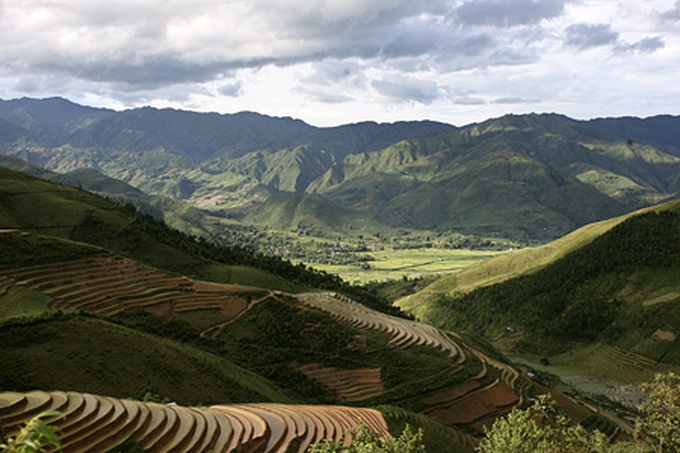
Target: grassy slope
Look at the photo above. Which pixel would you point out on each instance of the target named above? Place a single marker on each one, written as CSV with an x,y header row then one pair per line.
x,y
621,287
512,265
76,352
174,213
43,207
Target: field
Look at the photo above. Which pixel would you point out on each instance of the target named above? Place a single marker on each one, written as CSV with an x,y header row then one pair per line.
x,y
387,264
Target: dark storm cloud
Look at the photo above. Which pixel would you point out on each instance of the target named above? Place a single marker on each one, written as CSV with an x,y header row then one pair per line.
x,y
584,36
508,13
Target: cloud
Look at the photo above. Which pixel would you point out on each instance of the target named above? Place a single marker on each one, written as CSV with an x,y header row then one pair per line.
x,y
231,89
406,89
327,97
467,100
412,42
508,13
585,36
333,81
673,14
514,100
147,45
646,45
378,57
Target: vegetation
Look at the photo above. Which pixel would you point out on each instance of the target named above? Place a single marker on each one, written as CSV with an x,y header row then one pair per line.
x,y
392,200
134,240
385,264
365,440
515,264
658,424
35,436
579,297
77,215
541,428
527,177
101,424
102,357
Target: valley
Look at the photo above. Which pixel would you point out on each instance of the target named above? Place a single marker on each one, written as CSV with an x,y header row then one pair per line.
x,y
279,282
417,263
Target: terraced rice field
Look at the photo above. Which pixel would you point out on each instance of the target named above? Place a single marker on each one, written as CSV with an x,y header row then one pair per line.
x,y
404,332
625,358
108,285
350,385
92,423
494,390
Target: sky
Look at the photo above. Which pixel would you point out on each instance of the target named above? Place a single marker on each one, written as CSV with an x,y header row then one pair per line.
x,y
331,62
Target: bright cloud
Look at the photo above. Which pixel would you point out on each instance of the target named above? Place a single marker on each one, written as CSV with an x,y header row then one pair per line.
x,y
337,61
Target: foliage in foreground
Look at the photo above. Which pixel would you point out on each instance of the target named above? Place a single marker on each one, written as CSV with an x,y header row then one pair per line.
x,y
659,420
541,429
365,440
35,437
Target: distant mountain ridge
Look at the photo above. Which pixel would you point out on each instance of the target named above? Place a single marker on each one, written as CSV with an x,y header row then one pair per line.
x,y
199,136
534,176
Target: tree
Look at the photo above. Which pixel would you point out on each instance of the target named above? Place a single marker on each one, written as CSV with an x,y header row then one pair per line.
x,y
541,429
658,423
365,440
35,437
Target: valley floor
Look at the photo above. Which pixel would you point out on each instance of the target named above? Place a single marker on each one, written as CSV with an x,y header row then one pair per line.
x,y
397,264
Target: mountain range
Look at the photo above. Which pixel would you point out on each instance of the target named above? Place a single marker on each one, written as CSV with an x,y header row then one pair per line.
x,y
534,176
165,314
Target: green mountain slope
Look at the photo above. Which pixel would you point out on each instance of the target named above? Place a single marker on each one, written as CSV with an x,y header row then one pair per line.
x,y
511,265
175,214
46,208
534,177
615,282
121,362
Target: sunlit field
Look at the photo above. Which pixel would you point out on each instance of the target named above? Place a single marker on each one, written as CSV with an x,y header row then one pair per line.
x,y
411,263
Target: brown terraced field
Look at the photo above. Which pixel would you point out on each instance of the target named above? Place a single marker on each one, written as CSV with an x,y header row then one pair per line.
x,y
470,389
494,390
350,385
404,332
108,285
92,423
